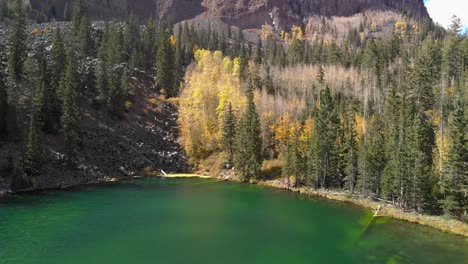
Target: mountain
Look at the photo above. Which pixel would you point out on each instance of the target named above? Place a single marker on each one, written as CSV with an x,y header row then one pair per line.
x,y
242,13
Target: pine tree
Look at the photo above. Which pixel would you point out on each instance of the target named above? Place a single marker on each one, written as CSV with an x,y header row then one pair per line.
x,y
248,156
293,163
453,52
71,117
321,75
125,85
17,49
296,52
243,63
131,35
426,73
148,41
258,52
326,144
280,56
421,180
351,155
32,156
83,38
115,97
102,81
268,82
229,133
455,181
165,64
58,61
372,160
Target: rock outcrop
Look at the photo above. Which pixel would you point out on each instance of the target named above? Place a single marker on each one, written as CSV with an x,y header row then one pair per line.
x,y
242,13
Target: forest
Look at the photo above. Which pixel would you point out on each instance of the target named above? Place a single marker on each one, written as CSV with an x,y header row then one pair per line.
x,y
380,116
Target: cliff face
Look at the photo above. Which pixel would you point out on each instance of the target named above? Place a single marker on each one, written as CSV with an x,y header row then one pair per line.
x,y
242,13
254,13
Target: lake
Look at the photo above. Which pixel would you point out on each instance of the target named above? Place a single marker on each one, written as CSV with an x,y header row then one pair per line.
x,y
174,220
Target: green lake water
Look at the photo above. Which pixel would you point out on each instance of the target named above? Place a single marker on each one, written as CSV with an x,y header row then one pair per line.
x,y
188,221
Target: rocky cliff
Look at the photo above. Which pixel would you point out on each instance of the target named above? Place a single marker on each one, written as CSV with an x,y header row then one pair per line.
x,y
242,13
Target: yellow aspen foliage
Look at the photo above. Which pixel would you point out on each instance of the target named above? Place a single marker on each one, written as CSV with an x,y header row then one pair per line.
x,y
308,128
282,129
443,145
173,40
267,30
210,86
361,125
297,33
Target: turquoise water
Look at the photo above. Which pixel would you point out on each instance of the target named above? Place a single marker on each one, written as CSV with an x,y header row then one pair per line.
x,y
204,221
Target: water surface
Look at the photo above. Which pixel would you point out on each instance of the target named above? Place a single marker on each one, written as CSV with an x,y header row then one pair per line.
x,y
204,221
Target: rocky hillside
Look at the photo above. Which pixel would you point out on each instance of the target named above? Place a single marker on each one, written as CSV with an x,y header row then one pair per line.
x,y
145,137
245,14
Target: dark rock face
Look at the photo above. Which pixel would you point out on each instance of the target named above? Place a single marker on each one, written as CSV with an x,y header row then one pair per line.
x,y
254,13
242,13
100,9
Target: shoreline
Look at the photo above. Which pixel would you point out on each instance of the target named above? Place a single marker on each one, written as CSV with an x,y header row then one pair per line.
x,y
386,210
446,225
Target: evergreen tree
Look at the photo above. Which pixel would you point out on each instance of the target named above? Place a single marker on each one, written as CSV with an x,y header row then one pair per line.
x,y
248,156
118,94
32,156
258,52
455,181
326,146
148,42
125,84
296,52
243,63
71,117
321,75
17,49
280,56
426,73
131,35
165,64
453,52
421,180
268,82
58,61
83,38
351,154
372,160
229,133
115,97
102,81
293,163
